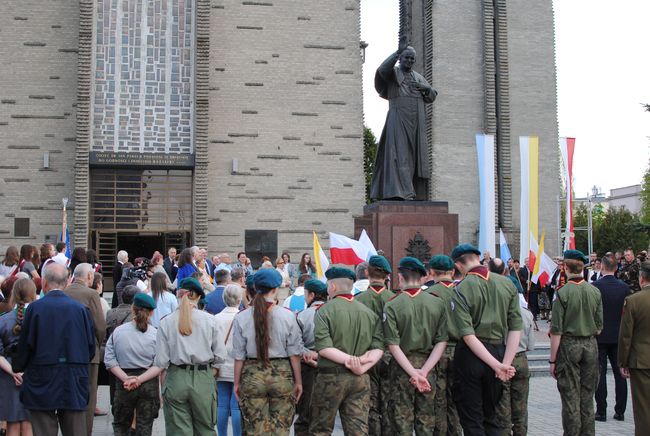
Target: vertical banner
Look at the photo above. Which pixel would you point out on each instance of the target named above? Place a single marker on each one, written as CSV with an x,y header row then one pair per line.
x,y
567,147
487,207
529,204
504,250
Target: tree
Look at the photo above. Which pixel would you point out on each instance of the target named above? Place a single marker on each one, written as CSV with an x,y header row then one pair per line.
x,y
614,229
645,197
369,154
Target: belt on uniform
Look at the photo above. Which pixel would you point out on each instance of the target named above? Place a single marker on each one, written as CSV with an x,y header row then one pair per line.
x,y
199,367
491,341
578,337
271,358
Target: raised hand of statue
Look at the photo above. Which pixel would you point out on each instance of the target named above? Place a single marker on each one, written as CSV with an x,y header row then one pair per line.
x,y
403,43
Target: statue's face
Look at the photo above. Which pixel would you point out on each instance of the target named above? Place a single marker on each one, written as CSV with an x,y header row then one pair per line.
x,y
407,59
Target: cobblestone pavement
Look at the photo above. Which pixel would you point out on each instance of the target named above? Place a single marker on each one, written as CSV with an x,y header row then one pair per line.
x,y
544,417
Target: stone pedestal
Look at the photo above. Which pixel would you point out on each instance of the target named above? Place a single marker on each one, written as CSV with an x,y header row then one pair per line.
x,y
409,228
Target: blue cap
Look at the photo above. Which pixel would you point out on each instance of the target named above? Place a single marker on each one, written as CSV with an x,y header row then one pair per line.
x,y
412,264
464,249
250,281
441,262
381,263
337,272
316,286
191,284
575,255
267,278
144,301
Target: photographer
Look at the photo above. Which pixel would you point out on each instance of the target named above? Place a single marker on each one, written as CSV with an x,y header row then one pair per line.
x,y
131,275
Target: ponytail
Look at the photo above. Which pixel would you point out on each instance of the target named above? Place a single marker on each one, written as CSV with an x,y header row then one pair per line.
x,y
20,316
185,316
262,334
23,292
141,318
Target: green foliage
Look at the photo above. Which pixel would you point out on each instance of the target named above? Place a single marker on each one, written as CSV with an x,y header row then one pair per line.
x,y
645,197
613,229
369,154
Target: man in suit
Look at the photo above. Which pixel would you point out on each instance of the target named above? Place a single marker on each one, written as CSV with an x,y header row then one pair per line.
x,y
122,258
613,293
80,291
169,264
55,386
634,350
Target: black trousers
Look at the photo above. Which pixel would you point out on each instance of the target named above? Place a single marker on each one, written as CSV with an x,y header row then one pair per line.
x,y
610,351
477,391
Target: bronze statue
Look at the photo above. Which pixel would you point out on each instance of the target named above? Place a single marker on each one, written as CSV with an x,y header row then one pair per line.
x,y
402,167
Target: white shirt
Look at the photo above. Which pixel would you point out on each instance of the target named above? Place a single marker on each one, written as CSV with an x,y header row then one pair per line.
x,y
300,291
224,320
166,304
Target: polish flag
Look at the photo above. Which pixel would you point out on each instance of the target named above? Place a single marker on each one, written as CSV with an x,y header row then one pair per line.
x,y
544,266
346,251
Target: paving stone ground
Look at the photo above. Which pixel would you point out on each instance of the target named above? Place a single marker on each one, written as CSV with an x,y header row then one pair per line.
x,y
543,407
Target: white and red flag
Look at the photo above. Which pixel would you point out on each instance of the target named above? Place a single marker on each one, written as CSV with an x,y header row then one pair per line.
x,y
345,250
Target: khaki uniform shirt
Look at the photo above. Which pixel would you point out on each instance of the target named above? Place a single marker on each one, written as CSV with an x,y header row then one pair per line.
x,y
578,309
306,323
486,305
527,340
375,297
286,337
347,325
633,337
445,290
415,321
203,346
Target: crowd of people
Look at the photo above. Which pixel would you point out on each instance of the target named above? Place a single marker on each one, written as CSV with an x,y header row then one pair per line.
x,y
440,351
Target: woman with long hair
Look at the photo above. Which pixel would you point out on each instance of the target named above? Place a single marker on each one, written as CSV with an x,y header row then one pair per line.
x,y
91,258
189,347
78,256
156,265
47,252
267,345
130,351
306,266
204,276
11,409
186,265
9,265
26,263
166,302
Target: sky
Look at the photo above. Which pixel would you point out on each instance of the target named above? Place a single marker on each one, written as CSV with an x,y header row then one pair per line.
x,y
603,76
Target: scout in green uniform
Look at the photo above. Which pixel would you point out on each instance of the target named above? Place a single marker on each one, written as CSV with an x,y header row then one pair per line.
x,y
267,345
634,350
415,332
441,284
375,297
315,297
349,341
486,309
577,319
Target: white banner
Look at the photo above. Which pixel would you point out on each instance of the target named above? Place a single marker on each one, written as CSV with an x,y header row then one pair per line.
x,y
487,207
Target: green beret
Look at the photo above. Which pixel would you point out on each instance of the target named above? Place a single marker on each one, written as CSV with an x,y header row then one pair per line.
x,y
250,281
144,301
191,284
267,278
575,255
316,286
340,273
464,249
441,262
381,263
412,264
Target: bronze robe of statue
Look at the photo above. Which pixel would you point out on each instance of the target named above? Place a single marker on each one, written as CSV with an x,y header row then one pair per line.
x,y
402,167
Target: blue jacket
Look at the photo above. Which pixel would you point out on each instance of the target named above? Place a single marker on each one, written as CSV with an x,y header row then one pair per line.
x,y
57,342
185,271
613,292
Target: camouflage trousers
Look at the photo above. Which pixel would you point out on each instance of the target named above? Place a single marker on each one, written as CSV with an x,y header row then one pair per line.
x,y
144,402
266,397
577,373
410,409
447,422
378,419
303,409
512,410
337,389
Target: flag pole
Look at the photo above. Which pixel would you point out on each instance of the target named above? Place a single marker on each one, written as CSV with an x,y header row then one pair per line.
x,y
64,221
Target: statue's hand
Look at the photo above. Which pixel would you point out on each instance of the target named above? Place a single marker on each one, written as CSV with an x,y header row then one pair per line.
x,y
403,43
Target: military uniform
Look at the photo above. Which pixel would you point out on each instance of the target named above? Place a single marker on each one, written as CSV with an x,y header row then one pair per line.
x,y
630,275
634,354
375,298
306,324
512,410
347,325
485,305
577,317
266,391
447,422
416,321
